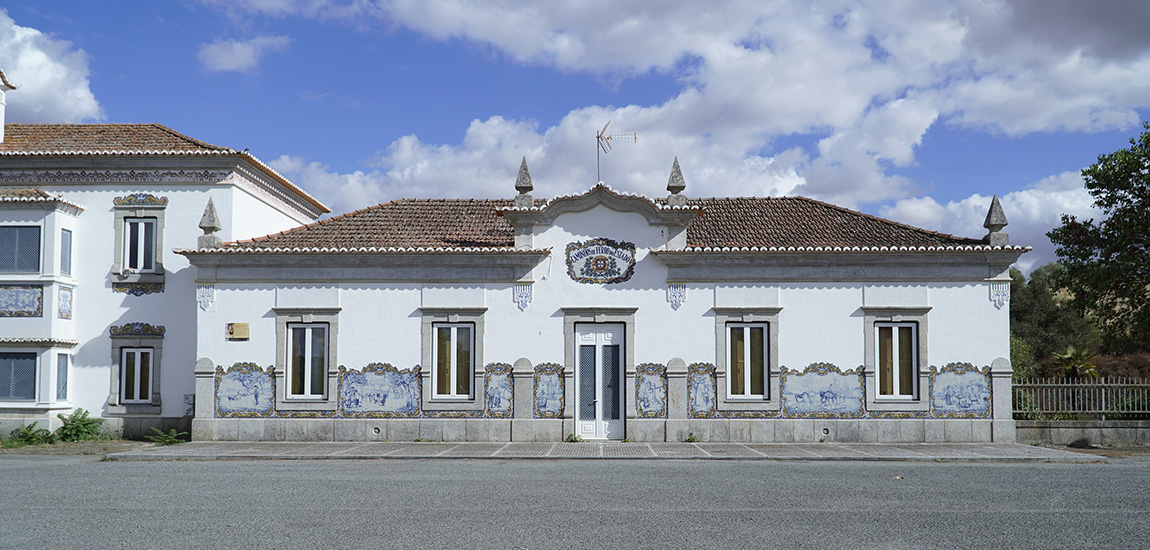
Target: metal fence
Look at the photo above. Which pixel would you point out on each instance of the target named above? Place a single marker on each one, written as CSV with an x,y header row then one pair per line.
x,y
1082,399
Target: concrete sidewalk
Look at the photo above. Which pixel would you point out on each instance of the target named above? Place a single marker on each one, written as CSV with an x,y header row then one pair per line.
x,y
915,452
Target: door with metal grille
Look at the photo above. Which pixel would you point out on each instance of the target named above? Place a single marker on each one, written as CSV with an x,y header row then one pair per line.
x,y
599,381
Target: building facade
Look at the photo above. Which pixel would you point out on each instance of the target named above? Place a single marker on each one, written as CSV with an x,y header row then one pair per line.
x,y
605,316
96,312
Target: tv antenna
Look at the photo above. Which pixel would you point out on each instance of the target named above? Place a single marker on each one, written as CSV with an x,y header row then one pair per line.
x,y
604,141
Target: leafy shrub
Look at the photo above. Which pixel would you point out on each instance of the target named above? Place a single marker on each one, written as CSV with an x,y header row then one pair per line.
x,y
28,434
170,438
78,427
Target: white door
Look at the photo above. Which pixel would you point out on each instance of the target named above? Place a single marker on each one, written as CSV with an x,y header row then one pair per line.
x,y
599,381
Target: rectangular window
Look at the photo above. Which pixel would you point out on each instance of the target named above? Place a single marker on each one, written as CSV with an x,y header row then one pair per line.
x,y
20,249
140,244
897,367
66,252
136,375
453,360
747,369
17,376
307,361
62,361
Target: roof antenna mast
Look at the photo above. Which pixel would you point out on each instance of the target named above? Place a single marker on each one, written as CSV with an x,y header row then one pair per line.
x,y
604,141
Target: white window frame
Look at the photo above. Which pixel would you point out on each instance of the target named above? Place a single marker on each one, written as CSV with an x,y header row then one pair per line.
x,y
125,214
35,378
898,392
452,361
143,394
141,228
66,245
309,393
39,247
747,368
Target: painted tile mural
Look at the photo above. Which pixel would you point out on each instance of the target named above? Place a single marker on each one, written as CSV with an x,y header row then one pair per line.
x,y
960,390
379,390
500,389
245,389
64,311
651,390
701,390
823,391
548,390
21,300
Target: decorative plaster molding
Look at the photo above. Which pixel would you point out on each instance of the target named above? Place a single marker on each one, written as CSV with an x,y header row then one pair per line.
x,y
676,294
999,294
113,176
522,295
205,296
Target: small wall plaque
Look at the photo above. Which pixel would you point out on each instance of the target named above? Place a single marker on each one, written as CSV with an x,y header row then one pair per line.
x,y
238,331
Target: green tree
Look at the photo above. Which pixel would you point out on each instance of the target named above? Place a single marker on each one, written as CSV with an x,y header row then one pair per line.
x,y
1107,263
1040,316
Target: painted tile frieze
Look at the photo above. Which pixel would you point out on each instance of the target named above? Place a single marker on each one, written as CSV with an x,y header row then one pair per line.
x,y
138,289
822,390
651,390
245,390
498,390
701,394
549,390
600,261
21,300
140,199
960,390
379,390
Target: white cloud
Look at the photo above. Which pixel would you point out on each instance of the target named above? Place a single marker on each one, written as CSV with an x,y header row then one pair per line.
x,y
51,77
240,56
1032,212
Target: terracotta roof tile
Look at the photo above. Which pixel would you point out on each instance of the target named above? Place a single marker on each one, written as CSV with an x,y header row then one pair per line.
x,y
43,138
799,221
403,223
724,222
20,193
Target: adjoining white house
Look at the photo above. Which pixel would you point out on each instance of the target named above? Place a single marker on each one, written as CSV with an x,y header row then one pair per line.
x,y
605,316
96,312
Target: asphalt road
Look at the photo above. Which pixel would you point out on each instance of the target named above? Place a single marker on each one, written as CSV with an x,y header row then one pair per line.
x,y
79,502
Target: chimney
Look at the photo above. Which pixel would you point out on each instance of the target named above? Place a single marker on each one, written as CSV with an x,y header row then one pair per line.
x,y
4,87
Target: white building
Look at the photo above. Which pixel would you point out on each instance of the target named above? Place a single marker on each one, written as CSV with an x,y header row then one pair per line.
x,y
605,316
96,312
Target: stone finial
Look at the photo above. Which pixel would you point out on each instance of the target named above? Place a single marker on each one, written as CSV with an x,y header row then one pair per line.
x,y
210,223
676,184
995,221
524,186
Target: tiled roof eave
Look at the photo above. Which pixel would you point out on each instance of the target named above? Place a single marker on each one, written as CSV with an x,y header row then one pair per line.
x,y
841,249
53,200
363,250
178,152
39,342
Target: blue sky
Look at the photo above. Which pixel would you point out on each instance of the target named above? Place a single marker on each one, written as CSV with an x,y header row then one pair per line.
x,y
914,111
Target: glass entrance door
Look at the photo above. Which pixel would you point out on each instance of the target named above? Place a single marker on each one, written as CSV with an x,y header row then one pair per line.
x,y
599,381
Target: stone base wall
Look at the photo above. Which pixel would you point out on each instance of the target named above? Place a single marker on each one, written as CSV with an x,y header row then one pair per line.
x,y
646,430
1084,432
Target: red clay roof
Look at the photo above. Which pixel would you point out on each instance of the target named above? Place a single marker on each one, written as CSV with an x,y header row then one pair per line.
x,y
24,193
724,222
127,139
72,138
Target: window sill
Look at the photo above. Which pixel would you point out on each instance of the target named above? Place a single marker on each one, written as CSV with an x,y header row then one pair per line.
x,y
453,404
134,408
138,277
32,405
